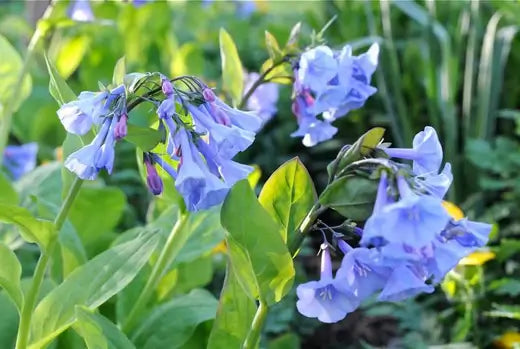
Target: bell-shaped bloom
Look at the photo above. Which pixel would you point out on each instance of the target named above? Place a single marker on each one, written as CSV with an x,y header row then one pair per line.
x,y
374,230
80,11
20,159
121,128
78,116
317,67
405,281
325,299
362,271
84,161
153,179
436,184
245,120
414,219
356,71
426,152
263,100
314,131
105,156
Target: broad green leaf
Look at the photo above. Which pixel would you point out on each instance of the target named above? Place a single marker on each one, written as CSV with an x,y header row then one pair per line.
x,y
99,332
286,341
10,274
143,137
31,229
118,77
44,183
10,68
232,71
188,59
96,211
234,315
288,195
90,285
272,47
7,193
73,252
58,88
351,196
258,254
71,54
9,321
186,276
171,324
281,74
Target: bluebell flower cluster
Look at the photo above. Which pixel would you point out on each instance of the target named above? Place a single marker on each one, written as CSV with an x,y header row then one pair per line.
x,y
199,150
331,84
104,110
407,245
20,159
264,98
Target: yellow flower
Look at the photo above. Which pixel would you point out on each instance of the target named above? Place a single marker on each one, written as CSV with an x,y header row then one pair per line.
x,y
508,340
454,211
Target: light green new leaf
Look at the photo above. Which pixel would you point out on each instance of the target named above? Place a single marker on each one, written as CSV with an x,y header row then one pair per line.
x,y
90,285
232,71
144,137
288,195
7,193
10,274
234,315
71,54
58,88
10,68
119,71
31,229
99,332
258,254
351,196
272,47
171,324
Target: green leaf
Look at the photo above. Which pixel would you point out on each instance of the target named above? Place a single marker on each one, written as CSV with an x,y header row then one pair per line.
x,y
58,88
7,193
44,183
272,47
286,341
351,196
90,285
232,71
9,323
71,54
292,42
31,229
143,137
10,274
288,195
234,315
99,332
171,324
11,66
118,77
281,74
258,254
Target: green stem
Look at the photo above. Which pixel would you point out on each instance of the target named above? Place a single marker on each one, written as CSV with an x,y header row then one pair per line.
x,y
258,82
308,221
5,122
253,336
39,273
175,242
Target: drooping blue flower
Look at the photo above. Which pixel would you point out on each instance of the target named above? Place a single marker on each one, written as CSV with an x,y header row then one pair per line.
x,y
426,152
414,218
121,128
317,67
20,159
84,162
374,230
106,154
325,299
314,131
263,100
362,271
80,10
404,282
154,181
436,184
78,116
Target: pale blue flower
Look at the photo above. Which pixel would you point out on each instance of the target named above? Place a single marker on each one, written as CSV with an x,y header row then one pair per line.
x,y
20,159
264,98
80,10
404,282
317,67
78,116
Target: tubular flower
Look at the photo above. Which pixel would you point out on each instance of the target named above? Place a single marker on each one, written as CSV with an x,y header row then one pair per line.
x,y
20,159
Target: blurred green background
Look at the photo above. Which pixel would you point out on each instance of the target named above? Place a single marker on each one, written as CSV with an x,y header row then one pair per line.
x,y
448,64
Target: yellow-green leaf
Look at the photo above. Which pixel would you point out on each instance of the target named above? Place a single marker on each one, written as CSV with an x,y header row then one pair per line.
x,y
232,71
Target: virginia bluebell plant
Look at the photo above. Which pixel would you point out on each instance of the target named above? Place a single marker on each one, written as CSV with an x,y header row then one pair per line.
x,y
20,159
264,98
408,243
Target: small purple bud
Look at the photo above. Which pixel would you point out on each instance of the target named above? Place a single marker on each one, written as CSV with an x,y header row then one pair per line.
x,y
209,95
152,178
167,87
121,128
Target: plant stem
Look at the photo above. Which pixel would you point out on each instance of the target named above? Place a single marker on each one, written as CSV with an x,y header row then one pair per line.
x,y
5,121
174,243
258,82
256,327
306,225
39,273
